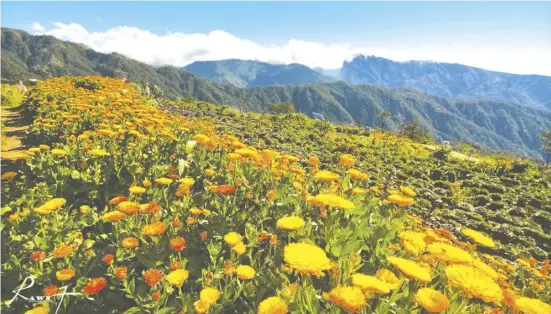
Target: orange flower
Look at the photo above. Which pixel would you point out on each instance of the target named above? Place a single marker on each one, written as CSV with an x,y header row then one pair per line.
x,y
38,255
153,207
108,259
191,220
156,296
204,235
50,290
273,240
154,229
228,267
65,274
223,189
121,272
176,223
152,276
129,208
263,236
175,265
130,242
95,285
118,199
178,243
63,251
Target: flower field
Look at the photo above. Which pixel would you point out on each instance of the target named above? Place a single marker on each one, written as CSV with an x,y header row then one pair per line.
x,y
143,207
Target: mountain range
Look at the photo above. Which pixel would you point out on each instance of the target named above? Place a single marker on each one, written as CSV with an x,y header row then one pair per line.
x,y
496,124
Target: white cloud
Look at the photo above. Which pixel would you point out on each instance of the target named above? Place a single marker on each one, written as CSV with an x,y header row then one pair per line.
x,y
180,49
37,27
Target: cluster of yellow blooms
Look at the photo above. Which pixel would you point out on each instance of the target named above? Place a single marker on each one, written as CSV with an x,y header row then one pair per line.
x,y
195,211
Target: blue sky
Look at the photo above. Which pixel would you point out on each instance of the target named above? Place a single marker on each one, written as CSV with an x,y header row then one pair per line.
x,y
485,34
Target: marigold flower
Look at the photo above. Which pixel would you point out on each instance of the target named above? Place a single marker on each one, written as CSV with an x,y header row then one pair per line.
x,y
38,310
233,238
326,176
228,268
204,235
449,253
210,172
290,223
118,199
370,284
129,208
177,277
65,274
63,251
273,305
178,243
306,259
407,191
532,306
121,272
400,200
486,269
152,276
156,296
431,300
478,237
130,243
163,181
413,242
154,229
223,189
346,160
388,277
474,282
137,190
209,295
98,152
349,298
50,206
358,175
108,259
50,290
114,216
330,200
410,268
38,255
59,152
245,272
176,223
8,175
201,307
95,285
239,248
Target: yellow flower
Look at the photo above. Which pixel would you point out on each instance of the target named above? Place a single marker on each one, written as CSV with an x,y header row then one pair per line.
x,y
163,181
290,223
431,300
478,237
407,191
137,190
154,229
50,206
129,208
245,272
413,242
306,259
370,284
233,238
59,152
38,310
85,208
209,295
346,160
532,306
210,172
201,307
313,161
130,243
44,147
357,174
146,183
273,305
330,200
177,277
65,274
239,248
388,277
246,152
400,200
326,176
349,298
114,216
410,268
98,152
486,269
474,282
449,253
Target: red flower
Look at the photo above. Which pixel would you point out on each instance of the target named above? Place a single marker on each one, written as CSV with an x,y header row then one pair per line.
x,y
108,259
95,285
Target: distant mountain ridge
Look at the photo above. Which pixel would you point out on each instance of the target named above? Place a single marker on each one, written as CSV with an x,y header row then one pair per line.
x,y
494,124
244,73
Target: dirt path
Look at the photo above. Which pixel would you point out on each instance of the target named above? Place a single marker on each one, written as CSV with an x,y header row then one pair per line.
x,y
14,130
453,154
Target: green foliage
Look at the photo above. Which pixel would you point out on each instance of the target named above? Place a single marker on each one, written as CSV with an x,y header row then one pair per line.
x,y
415,131
282,108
